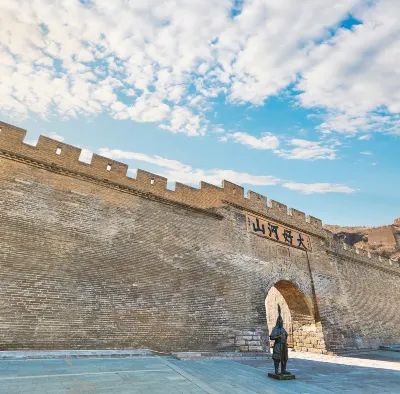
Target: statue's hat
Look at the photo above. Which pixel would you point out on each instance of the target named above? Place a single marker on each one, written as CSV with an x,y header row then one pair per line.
x,y
279,315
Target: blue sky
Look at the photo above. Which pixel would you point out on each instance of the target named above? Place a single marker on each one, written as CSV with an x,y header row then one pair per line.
x,y
301,106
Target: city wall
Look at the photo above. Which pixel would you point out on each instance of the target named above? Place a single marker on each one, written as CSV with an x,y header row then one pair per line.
x,y
91,258
382,235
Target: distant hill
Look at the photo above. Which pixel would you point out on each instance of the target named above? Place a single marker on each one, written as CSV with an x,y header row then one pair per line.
x,y
384,240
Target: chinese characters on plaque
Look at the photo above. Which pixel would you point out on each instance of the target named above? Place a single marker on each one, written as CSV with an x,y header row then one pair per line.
x,y
277,232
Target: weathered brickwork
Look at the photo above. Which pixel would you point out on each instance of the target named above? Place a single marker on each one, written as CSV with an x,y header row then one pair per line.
x,y
384,234
92,259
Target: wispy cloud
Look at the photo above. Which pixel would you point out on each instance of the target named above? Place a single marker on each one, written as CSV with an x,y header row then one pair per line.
x,y
266,141
117,154
139,61
367,153
296,149
55,136
176,171
310,188
308,150
359,93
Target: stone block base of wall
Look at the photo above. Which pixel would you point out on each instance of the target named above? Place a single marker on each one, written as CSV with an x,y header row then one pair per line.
x,y
312,342
251,340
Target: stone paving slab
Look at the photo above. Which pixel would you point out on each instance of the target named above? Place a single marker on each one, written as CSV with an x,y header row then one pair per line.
x,y
222,355
371,359
226,376
379,355
141,375
364,373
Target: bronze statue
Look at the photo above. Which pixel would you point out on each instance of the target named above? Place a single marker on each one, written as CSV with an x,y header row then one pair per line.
x,y
280,351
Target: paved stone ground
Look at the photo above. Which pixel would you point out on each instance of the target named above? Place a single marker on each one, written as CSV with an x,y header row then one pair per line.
x,y
369,372
315,374
44,354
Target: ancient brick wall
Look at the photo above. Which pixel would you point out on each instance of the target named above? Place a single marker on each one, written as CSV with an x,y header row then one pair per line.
x,y
396,232
92,259
382,235
373,304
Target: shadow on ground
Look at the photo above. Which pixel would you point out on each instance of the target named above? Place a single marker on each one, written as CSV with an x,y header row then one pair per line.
x,y
140,375
345,373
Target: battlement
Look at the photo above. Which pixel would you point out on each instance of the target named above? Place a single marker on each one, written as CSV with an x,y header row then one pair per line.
x,y
349,251
66,156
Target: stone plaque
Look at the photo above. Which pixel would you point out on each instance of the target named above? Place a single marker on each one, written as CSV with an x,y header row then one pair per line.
x,y
277,232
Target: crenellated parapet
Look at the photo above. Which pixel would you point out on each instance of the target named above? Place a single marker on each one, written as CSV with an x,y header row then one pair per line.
x,y
66,156
342,249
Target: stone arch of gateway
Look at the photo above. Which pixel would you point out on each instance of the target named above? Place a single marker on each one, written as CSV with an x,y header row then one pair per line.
x,y
301,320
90,258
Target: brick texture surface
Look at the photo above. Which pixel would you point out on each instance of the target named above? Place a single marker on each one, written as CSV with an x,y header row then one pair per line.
x,y
382,235
88,262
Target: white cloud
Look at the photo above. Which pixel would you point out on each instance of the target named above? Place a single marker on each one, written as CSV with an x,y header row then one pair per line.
x,y
168,62
140,60
374,164
31,142
176,171
303,149
55,136
117,154
308,150
366,153
267,141
184,121
365,137
146,108
259,53
310,188
350,124
361,91
216,176
86,155
81,58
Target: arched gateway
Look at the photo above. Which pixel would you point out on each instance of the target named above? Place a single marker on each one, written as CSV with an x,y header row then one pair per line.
x,y
299,317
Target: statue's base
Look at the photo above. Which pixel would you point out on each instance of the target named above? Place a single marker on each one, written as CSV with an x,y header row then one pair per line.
x,y
281,377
